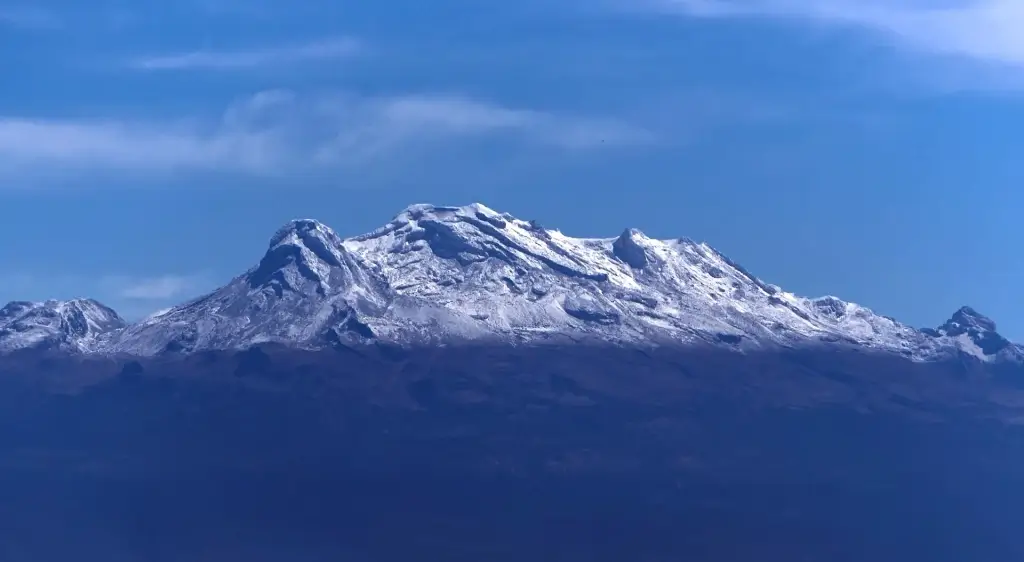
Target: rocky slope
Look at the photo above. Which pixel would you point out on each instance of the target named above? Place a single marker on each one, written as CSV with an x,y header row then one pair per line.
x,y
449,274
76,325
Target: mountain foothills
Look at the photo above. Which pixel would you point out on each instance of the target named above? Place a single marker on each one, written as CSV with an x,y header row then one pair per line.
x,y
442,275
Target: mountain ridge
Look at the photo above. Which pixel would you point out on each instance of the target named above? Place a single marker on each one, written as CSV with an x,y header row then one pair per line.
x,y
484,377
442,274
73,325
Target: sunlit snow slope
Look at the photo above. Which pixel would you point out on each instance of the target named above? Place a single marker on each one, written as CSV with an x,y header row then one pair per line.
x,y
449,274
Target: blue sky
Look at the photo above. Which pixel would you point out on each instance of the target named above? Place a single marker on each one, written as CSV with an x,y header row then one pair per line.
x,y
868,149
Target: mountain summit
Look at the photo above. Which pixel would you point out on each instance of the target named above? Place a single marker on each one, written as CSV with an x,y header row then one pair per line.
x,y
972,328
436,274
306,247
73,325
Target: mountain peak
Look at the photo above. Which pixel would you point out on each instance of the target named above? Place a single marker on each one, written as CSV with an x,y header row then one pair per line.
x,y
428,212
967,317
78,305
629,247
74,323
304,231
419,210
980,329
306,245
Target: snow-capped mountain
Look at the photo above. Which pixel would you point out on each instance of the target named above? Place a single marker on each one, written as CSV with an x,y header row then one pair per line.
x,y
74,325
307,289
448,274
976,333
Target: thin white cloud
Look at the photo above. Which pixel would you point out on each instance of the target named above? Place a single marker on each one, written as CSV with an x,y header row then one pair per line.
x,y
279,132
327,49
983,30
161,288
387,123
28,17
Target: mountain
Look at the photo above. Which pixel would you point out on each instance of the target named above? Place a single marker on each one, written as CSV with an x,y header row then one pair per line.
x,y
307,287
455,274
976,332
461,385
76,325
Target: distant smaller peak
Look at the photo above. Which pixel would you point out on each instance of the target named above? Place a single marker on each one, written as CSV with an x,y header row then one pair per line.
x,y
968,322
83,303
18,305
967,318
63,320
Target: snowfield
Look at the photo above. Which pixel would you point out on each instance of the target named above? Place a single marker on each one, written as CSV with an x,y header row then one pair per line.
x,y
447,274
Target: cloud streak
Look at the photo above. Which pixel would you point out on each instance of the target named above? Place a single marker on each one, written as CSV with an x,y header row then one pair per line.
x,y
324,50
161,288
280,132
982,30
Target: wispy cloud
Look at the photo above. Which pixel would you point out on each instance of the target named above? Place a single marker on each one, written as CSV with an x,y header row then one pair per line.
x,y
278,132
28,17
983,30
161,288
326,49
386,123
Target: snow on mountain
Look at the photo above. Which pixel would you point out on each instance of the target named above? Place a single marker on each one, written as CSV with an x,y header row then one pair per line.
x,y
74,325
446,274
306,290
977,335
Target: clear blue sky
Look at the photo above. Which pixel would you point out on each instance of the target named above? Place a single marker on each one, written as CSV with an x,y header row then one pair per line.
x,y
869,149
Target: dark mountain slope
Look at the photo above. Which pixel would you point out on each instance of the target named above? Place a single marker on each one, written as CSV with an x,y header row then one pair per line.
x,y
502,453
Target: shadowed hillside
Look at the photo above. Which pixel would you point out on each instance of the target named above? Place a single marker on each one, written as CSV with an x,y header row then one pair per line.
x,y
469,453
